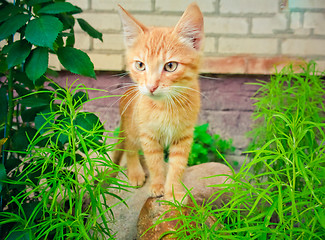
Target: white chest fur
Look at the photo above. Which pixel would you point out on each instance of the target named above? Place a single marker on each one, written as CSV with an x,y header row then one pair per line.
x,y
166,126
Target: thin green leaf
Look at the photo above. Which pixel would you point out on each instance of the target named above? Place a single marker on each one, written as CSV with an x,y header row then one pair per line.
x,y
79,98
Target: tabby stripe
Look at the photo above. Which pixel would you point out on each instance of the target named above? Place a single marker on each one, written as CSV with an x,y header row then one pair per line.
x,y
177,154
147,136
183,139
153,152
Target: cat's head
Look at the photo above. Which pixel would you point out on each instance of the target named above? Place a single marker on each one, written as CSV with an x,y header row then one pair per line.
x,y
164,61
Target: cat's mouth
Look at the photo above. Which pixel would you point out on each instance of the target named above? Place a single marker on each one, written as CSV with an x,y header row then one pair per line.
x,y
157,94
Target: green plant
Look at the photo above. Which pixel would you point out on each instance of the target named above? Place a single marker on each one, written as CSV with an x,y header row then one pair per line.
x,y
60,189
289,98
205,146
33,30
30,32
284,197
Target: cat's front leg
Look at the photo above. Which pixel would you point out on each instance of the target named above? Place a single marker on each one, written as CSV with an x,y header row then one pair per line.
x,y
136,174
154,157
178,158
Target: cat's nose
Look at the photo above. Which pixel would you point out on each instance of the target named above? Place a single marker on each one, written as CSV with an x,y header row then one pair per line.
x,y
152,88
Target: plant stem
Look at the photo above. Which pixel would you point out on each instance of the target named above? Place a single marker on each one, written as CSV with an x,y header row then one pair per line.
x,y
9,113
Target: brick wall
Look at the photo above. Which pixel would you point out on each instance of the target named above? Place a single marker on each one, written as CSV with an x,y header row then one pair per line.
x,y
242,36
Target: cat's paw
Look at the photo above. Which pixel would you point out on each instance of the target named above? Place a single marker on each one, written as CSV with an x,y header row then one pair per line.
x,y
137,178
157,190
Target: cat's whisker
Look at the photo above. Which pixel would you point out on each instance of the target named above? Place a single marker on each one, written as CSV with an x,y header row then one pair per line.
x,y
128,103
118,99
126,75
125,86
211,78
117,86
187,99
184,97
180,99
189,88
130,100
173,106
169,101
121,75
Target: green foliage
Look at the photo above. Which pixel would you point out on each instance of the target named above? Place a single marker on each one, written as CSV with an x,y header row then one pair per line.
x,y
32,31
45,138
58,191
284,197
43,31
65,54
289,100
43,25
207,148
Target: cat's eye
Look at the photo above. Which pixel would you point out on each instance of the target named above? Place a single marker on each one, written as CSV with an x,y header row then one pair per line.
x,y
170,66
140,66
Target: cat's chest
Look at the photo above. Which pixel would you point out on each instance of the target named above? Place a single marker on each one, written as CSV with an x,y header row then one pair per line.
x,y
165,126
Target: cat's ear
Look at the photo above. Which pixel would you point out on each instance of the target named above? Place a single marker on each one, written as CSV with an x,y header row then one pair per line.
x,y
131,27
190,26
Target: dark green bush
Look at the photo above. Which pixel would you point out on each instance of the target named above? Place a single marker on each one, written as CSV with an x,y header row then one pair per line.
x,y
45,138
207,147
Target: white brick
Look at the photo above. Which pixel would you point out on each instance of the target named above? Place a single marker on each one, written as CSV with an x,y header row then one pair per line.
x,y
247,45
130,5
296,21
304,47
82,41
264,25
302,32
102,21
110,42
209,45
223,25
104,62
181,5
83,4
309,4
158,20
296,25
315,21
249,6
3,43
54,63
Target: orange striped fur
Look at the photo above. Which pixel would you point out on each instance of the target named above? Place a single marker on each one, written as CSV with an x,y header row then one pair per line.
x,y
161,109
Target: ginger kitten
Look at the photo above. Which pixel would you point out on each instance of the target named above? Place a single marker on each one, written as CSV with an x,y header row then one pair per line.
x,y
162,108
